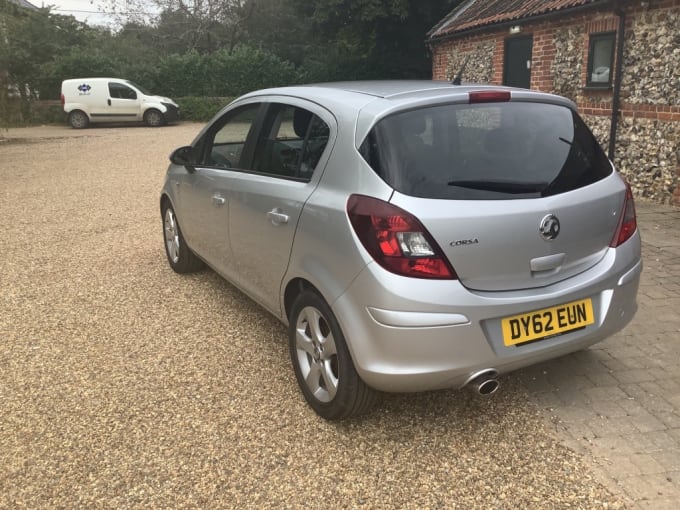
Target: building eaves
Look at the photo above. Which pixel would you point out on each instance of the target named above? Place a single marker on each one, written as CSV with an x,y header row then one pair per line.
x,y
476,14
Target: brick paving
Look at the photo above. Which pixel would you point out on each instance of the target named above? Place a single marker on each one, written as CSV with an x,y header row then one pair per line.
x,y
619,401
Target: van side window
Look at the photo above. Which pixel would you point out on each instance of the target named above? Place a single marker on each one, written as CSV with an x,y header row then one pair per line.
x,y
120,91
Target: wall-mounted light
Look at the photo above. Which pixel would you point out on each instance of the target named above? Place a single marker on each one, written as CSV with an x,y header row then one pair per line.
x,y
515,29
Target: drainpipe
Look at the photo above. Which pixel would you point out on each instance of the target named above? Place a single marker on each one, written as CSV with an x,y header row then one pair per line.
x,y
616,98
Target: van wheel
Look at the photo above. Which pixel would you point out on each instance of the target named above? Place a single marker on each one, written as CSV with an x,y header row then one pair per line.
x,y
153,118
323,366
78,119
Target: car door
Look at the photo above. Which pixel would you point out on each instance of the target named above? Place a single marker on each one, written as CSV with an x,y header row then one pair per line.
x,y
265,204
203,195
121,104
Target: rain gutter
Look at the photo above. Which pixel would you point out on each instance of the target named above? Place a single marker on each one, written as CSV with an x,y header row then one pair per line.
x,y
616,97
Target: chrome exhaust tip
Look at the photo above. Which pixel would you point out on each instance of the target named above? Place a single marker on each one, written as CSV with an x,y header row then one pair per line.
x,y
483,382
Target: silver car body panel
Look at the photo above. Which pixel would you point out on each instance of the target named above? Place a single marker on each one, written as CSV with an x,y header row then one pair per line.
x,y
588,217
436,351
410,334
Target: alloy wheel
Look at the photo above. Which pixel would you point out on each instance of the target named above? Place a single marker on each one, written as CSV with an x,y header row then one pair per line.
x,y
317,354
171,231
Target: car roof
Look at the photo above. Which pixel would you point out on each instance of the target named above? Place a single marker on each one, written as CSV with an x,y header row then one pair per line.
x,y
364,103
362,92
386,88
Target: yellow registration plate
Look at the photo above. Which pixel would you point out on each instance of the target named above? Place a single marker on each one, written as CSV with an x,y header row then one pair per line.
x,y
547,322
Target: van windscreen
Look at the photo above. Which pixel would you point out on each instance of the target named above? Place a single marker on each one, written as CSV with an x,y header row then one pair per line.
x,y
141,89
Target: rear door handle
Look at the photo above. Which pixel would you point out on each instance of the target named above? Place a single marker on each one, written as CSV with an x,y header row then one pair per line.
x,y
108,101
218,200
277,217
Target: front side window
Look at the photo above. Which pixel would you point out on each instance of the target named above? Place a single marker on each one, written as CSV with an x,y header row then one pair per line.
x,y
120,91
224,144
601,60
291,142
485,151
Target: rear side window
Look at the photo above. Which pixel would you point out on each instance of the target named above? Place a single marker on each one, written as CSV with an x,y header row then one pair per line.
x,y
485,151
291,143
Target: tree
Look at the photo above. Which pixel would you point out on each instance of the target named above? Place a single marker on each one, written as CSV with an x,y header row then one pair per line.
x,y
191,25
388,35
31,40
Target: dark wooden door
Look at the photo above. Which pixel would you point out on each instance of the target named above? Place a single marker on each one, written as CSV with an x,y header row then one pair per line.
x,y
517,64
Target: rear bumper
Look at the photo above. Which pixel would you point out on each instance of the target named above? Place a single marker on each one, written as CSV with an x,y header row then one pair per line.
x,y
412,335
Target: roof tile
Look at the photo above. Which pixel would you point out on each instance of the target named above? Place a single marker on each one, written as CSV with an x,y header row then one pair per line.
x,y
478,13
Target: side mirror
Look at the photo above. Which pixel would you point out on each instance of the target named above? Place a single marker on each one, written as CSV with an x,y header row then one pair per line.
x,y
184,156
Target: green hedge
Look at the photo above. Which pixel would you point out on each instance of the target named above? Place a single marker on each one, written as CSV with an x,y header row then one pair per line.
x,y
221,73
201,109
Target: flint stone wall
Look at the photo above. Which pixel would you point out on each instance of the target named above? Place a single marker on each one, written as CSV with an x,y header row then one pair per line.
x,y
648,150
479,67
568,64
647,154
651,68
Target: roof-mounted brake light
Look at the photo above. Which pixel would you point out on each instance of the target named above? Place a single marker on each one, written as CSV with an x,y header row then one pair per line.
x,y
489,96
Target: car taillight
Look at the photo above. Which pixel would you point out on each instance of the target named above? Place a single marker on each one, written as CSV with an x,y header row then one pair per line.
x,y
628,222
63,100
488,96
396,239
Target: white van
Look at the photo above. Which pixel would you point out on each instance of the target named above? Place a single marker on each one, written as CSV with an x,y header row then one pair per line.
x,y
88,100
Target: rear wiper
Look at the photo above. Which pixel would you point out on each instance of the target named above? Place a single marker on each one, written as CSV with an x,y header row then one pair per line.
x,y
501,186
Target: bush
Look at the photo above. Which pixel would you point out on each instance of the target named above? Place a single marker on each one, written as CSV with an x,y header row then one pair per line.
x,y
222,74
201,109
77,63
247,69
182,75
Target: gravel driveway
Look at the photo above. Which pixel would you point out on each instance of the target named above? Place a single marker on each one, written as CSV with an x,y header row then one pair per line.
x,y
125,385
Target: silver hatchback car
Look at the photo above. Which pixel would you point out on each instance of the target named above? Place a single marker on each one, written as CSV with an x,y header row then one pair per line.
x,y
413,235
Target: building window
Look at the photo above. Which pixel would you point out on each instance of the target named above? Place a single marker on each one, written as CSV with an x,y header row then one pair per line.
x,y
601,60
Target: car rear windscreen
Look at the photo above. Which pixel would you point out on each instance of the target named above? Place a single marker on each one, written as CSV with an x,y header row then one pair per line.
x,y
485,151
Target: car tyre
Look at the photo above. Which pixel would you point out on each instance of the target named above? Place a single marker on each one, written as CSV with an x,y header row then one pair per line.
x,y
181,258
322,363
153,118
78,119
